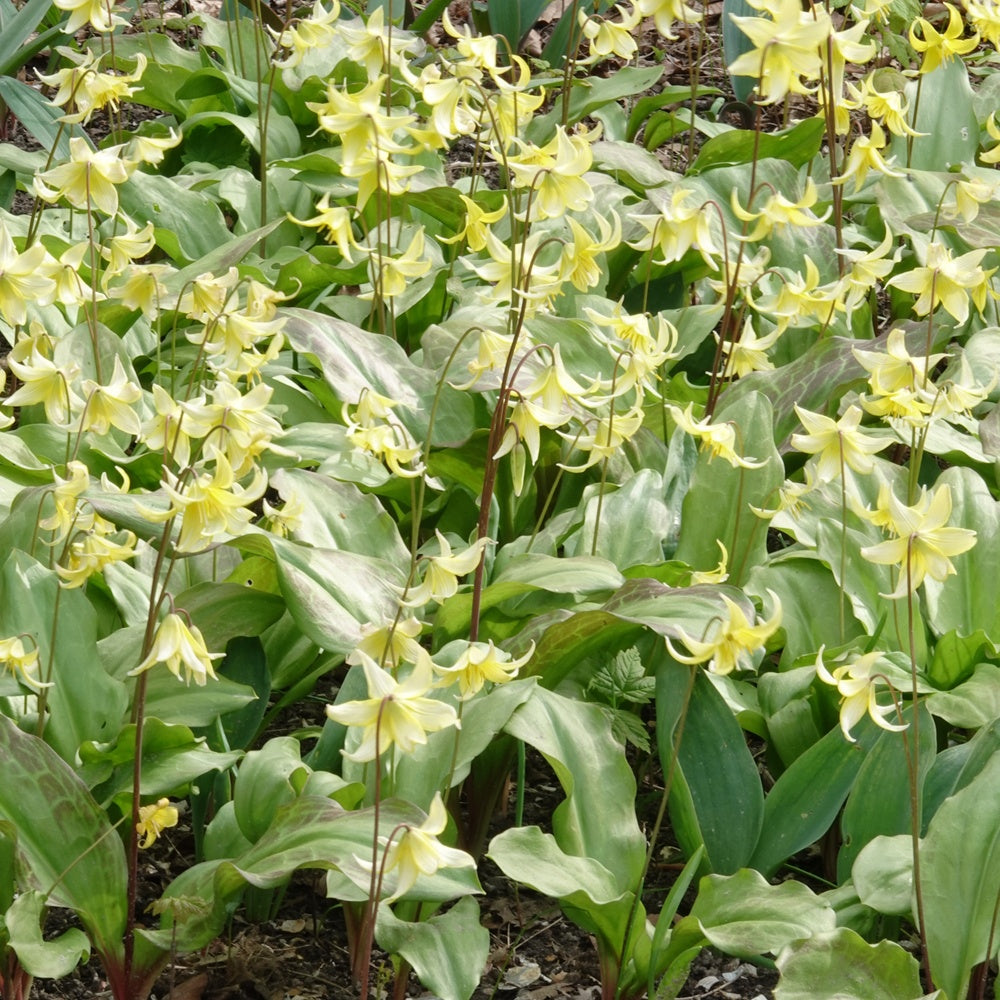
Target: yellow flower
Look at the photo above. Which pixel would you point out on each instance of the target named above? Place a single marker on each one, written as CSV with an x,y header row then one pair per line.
x,y
610,435
93,549
890,108
665,12
477,219
99,14
786,49
866,155
443,570
985,18
313,32
578,261
154,819
42,381
110,405
212,505
896,369
718,575
21,662
86,88
21,279
947,281
417,851
679,226
478,664
937,47
334,222
555,172
780,212
923,544
64,496
749,353
89,178
608,37
732,640
179,647
837,442
394,713
718,439
390,644
857,682
868,267
390,275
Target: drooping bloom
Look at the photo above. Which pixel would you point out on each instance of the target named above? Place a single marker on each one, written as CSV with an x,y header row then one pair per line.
x,y
154,819
180,647
21,279
665,13
924,543
93,548
555,172
857,682
417,851
939,47
730,641
837,442
395,713
609,37
441,575
478,664
718,439
947,281
88,179
21,661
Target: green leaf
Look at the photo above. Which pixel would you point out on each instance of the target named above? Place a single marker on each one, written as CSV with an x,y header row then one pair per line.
x,y
224,611
355,361
883,874
84,702
797,145
45,958
735,43
331,593
974,703
716,799
969,600
38,116
187,224
448,952
742,914
840,965
717,505
879,802
65,841
960,875
805,800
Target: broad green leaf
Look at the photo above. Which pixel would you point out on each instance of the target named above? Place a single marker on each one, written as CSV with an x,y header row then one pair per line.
x,y
331,593
338,515
38,116
969,600
956,766
354,361
798,145
282,135
187,224
44,958
960,875
84,702
883,874
448,952
716,800
946,118
66,843
974,703
805,800
956,656
224,611
172,758
879,802
735,42
717,505
742,914
597,818
841,965
268,779
533,858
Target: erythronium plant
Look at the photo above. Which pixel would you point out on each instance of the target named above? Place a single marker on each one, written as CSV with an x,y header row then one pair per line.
x,y
367,360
